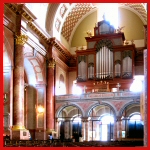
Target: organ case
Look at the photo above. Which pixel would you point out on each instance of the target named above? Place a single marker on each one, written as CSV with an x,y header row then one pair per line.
x,y
106,58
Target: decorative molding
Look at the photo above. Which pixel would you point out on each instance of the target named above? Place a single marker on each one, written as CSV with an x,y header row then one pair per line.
x,y
39,32
63,10
57,24
21,9
100,96
60,48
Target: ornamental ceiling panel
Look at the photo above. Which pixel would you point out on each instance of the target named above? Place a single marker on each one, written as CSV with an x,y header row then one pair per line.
x,y
73,17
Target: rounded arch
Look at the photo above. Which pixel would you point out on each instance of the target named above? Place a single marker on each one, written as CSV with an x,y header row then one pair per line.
x,y
29,72
66,105
133,114
141,14
51,13
103,104
126,105
34,70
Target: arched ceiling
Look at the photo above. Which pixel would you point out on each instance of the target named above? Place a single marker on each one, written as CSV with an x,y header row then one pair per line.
x,y
62,19
69,23
74,17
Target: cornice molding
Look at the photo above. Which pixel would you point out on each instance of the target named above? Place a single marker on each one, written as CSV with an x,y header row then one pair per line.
x,y
54,42
39,32
21,9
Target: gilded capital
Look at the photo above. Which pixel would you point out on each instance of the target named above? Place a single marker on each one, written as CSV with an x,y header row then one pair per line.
x,y
21,39
51,63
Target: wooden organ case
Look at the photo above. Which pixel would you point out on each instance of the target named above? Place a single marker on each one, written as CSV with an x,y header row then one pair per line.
x,y
106,62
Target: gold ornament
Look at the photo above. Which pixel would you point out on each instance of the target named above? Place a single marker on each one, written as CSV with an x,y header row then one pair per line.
x,y
51,63
21,39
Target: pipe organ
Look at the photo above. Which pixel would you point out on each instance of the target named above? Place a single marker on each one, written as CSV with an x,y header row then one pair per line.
x,y
104,63
106,59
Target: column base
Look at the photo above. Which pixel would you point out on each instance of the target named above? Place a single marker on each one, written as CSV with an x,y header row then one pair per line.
x,y
50,130
19,134
40,135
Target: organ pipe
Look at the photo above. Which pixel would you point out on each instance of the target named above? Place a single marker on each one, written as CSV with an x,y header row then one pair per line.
x,y
104,63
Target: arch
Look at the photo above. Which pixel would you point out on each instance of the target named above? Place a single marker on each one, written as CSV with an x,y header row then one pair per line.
x,y
142,16
120,113
95,105
98,128
66,105
51,13
33,70
133,114
29,71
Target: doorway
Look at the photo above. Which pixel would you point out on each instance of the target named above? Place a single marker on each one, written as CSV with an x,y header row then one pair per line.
x,y
77,126
135,126
106,128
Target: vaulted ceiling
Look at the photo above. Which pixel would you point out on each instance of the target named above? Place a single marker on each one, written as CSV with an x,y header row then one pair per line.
x,y
77,13
62,19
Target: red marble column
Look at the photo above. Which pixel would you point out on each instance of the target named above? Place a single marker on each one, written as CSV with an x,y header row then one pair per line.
x,y
50,104
18,95
18,87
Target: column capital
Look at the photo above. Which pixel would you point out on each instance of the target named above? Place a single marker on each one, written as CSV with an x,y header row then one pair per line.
x,y
21,39
51,63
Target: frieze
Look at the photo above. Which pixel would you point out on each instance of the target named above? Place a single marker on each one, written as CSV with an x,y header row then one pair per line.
x,y
95,96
